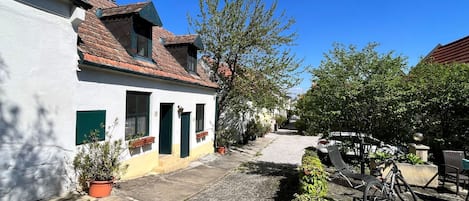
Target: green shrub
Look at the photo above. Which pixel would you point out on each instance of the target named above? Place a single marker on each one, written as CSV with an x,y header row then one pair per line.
x,y
413,159
313,178
280,120
310,152
380,156
256,129
252,129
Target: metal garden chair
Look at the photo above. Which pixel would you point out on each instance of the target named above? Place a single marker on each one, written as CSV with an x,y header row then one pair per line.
x,y
453,167
343,170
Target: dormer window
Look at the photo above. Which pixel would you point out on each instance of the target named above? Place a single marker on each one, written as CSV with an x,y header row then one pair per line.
x,y
191,59
184,49
132,26
142,38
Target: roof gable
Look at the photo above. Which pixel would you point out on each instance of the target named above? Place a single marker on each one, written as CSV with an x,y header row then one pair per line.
x,y
100,48
185,39
145,10
454,52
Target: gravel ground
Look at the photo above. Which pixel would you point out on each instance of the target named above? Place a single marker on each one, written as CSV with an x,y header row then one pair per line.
x,y
287,147
271,176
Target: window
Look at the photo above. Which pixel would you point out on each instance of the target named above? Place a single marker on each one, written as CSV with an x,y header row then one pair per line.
x,y
137,114
191,62
199,117
142,46
191,59
142,38
87,122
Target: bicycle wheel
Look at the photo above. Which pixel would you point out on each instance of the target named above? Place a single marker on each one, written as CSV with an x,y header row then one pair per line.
x,y
374,191
403,190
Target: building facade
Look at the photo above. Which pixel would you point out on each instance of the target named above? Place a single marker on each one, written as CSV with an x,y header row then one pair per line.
x,y
67,67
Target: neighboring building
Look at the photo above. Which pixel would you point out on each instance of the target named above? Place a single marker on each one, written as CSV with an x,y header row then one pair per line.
x,y
454,52
125,67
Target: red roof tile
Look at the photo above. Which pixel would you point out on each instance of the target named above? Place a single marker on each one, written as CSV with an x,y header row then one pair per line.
x,y
132,8
184,39
102,3
99,46
454,52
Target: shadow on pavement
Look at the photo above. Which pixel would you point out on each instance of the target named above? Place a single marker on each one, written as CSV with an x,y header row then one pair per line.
x,y
289,176
286,132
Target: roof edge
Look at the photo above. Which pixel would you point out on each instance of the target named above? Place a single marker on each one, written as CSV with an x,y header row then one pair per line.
x,y
83,4
427,57
113,68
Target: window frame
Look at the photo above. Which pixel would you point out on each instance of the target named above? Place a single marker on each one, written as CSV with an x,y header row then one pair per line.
x,y
136,115
191,65
199,117
141,29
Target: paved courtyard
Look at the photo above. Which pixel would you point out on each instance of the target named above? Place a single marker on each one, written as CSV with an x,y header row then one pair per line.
x,y
272,175
265,169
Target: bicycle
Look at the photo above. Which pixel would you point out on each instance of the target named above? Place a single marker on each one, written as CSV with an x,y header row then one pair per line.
x,y
391,187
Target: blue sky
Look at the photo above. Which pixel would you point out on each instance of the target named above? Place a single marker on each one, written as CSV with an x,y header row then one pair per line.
x,y
411,28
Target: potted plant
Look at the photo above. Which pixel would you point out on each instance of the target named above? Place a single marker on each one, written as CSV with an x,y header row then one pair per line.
x,y
98,164
221,143
223,140
378,157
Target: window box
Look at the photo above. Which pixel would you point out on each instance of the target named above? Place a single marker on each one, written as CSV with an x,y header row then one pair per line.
x,y
137,143
149,140
140,142
201,134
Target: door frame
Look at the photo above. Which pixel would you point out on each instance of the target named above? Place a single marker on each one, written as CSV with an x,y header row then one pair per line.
x,y
168,150
185,134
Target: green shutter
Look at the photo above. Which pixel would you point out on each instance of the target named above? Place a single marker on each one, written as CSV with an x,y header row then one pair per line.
x,y
88,121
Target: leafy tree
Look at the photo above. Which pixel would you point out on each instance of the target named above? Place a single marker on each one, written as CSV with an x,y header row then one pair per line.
x,y
441,96
247,42
357,90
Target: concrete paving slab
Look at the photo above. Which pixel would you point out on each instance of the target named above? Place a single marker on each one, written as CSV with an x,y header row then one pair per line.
x,y
183,184
201,175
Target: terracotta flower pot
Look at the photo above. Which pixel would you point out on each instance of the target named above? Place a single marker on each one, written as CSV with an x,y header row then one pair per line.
x,y
99,189
221,150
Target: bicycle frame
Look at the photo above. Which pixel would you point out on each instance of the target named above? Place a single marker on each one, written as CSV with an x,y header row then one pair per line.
x,y
391,177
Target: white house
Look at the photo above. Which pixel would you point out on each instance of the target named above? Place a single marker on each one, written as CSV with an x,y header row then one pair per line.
x,y
60,78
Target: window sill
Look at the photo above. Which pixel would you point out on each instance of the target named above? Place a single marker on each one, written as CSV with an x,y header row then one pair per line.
x,y
144,59
201,134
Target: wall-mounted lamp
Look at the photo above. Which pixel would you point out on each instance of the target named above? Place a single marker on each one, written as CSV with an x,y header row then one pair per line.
x,y
180,109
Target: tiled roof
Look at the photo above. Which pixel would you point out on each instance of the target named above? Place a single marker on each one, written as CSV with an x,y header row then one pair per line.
x,y
454,52
99,46
120,10
102,3
184,39
180,39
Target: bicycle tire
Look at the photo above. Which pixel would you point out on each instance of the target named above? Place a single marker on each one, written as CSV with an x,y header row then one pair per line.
x,y
403,190
374,191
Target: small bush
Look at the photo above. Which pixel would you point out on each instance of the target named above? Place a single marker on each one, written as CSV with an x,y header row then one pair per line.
x,y
256,129
313,178
413,159
280,120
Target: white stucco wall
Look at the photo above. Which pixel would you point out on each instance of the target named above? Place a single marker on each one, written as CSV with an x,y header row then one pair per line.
x,y
41,90
37,63
106,90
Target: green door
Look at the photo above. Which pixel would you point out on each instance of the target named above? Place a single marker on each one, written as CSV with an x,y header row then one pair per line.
x,y
185,125
166,128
